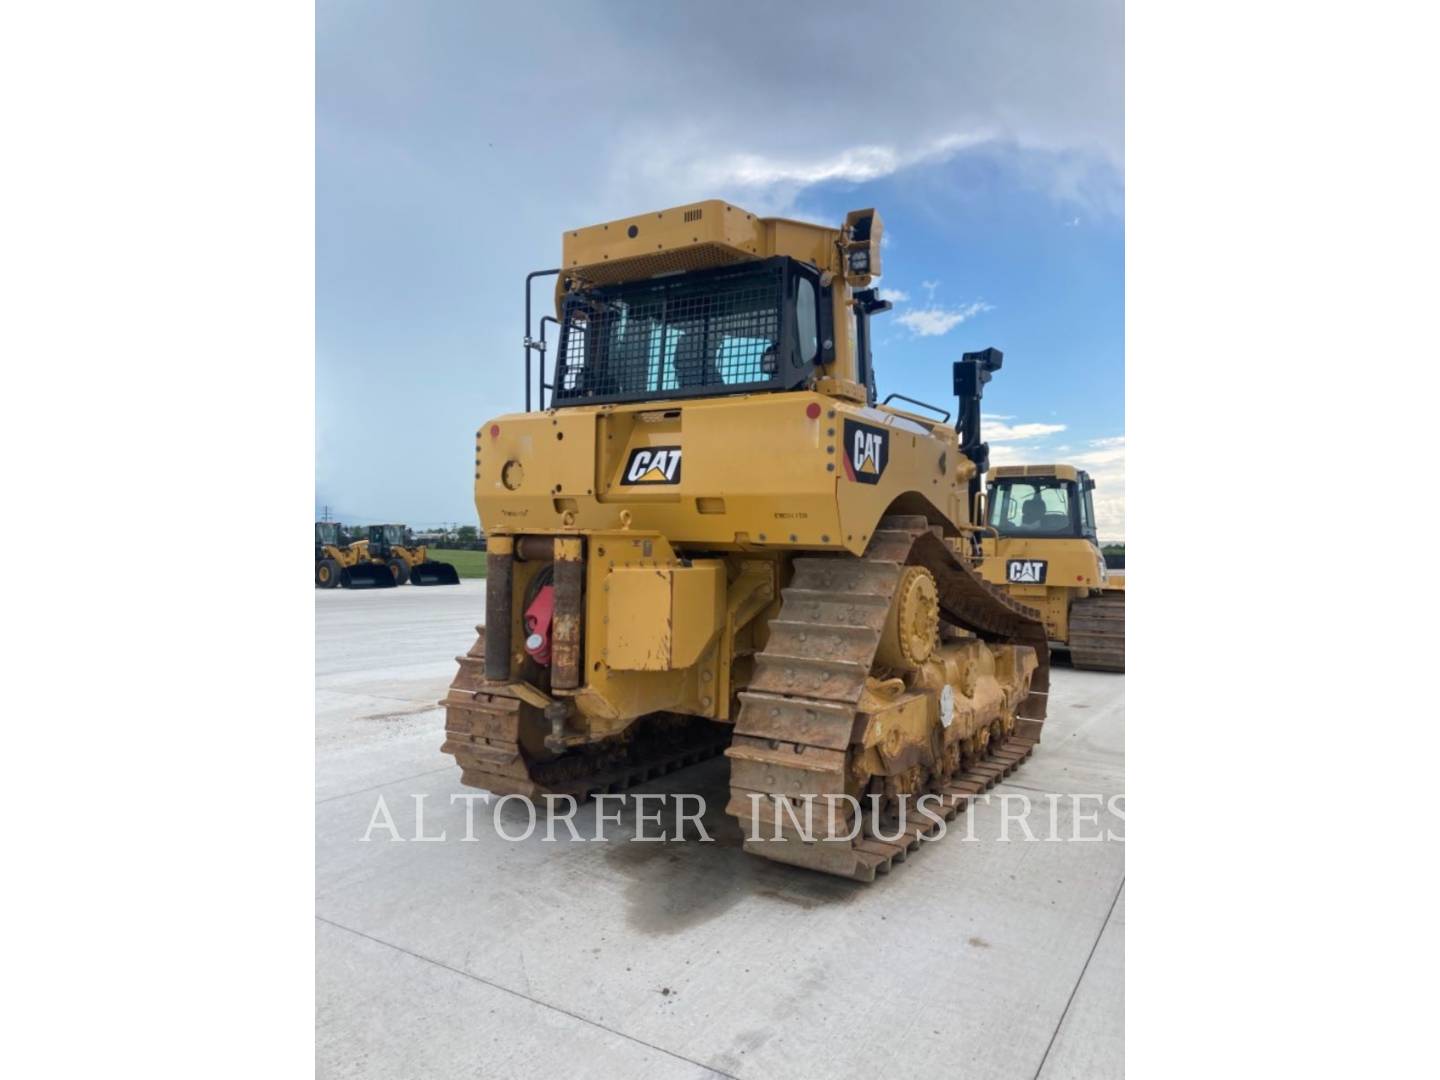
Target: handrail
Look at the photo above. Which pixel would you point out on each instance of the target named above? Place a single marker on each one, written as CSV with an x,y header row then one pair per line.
x,y
922,404
543,384
531,343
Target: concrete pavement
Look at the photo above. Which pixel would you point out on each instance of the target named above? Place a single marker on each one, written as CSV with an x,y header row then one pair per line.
x,y
485,957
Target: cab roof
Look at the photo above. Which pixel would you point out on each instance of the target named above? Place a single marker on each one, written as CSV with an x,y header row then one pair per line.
x,y
1059,472
701,235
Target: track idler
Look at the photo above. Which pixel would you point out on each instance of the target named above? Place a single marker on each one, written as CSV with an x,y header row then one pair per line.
x,y
434,573
367,575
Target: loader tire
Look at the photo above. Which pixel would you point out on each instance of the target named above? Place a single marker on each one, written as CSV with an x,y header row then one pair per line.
x,y
399,570
327,574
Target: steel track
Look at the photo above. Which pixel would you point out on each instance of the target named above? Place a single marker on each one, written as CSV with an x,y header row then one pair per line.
x,y
798,718
793,732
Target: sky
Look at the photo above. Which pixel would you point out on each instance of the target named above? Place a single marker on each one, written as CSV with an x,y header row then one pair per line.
x,y
456,141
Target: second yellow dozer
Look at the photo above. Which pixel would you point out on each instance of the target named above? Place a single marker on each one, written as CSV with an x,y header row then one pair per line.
x,y
712,537
1044,551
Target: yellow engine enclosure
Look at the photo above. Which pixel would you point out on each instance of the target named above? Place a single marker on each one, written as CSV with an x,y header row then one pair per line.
x,y
757,472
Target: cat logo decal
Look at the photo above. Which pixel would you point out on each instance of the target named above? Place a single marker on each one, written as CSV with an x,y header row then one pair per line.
x,y
652,465
867,452
1025,571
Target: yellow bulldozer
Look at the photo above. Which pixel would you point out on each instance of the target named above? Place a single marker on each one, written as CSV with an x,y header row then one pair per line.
x,y
389,546
710,535
1044,551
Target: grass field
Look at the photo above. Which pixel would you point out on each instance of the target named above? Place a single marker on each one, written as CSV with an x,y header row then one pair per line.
x,y
466,563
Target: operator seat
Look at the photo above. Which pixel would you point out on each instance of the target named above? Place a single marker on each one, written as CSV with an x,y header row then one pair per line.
x,y
1032,513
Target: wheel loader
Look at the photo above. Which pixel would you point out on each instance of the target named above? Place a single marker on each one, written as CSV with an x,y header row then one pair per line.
x,y
1044,552
710,537
389,546
342,561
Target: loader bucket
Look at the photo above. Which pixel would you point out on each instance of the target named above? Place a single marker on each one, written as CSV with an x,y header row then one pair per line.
x,y
434,573
367,575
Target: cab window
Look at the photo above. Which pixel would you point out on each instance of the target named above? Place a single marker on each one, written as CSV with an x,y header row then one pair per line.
x,y
807,322
1032,507
1087,515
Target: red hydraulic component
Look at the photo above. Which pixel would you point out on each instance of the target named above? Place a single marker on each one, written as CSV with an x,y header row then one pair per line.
x,y
538,619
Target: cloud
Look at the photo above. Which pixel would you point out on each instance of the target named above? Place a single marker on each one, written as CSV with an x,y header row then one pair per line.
x,y
1018,444
854,164
1101,457
930,287
1105,462
895,296
955,89
1001,432
934,321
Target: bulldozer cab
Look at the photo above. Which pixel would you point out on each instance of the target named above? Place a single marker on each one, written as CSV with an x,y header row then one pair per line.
x,y
384,537
1043,507
734,329
328,534
705,301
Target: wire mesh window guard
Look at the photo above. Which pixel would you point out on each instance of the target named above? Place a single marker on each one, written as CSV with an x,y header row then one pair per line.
x,y
709,333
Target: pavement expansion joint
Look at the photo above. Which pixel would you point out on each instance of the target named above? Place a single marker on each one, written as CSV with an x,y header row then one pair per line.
x,y
526,997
